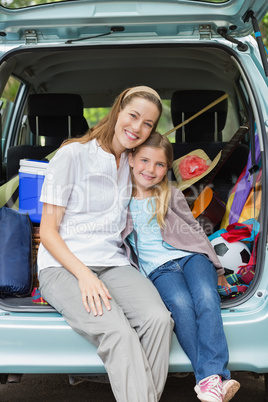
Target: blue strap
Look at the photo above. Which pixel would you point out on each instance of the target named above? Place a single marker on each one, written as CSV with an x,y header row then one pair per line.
x,y
257,34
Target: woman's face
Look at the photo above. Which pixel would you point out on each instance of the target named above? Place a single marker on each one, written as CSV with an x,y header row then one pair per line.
x,y
134,124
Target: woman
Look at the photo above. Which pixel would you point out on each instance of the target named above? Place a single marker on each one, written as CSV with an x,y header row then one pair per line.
x,y
83,270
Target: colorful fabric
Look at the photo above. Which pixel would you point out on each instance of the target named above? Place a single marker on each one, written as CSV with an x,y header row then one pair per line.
x,y
237,287
37,298
241,191
233,278
244,186
225,220
247,274
246,231
234,290
216,234
252,206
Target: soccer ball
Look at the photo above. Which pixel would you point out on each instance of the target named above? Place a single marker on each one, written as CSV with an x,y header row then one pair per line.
x,y
231,255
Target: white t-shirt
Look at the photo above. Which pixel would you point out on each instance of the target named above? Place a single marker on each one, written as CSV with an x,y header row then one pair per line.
x,y
84,179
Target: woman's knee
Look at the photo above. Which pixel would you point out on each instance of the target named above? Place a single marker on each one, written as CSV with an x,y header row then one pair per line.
x,y
160,318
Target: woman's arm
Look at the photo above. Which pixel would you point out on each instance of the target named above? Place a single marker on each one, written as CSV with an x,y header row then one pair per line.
x,y
92,289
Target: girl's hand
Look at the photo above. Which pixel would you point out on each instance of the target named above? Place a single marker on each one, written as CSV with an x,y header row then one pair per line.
x,y
222,281
93,290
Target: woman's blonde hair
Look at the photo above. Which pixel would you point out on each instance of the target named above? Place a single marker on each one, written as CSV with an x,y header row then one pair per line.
x,y
104,130
161,192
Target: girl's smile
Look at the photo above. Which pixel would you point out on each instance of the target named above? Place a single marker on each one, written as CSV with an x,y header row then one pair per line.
x,y
147,177
149,168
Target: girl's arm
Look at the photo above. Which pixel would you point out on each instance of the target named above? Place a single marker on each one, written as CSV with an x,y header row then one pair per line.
x,y
92,289
222,281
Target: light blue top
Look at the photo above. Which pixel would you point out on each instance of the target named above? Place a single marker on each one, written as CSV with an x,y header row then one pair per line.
x,y
153,251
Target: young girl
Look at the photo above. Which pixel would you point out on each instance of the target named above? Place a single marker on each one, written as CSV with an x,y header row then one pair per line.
x,y
172,250
83,270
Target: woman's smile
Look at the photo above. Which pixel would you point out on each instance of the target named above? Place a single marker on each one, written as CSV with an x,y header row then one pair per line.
x,y
131,136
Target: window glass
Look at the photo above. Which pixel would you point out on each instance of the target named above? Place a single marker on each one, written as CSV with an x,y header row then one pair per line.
x,y
94,115
7,102
27,3
211,1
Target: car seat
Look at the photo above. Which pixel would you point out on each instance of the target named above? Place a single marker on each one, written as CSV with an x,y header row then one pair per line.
x,y
205,132
53,116
206,127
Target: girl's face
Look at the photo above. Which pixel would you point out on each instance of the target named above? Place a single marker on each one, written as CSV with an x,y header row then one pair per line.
x,y
134,124
149,168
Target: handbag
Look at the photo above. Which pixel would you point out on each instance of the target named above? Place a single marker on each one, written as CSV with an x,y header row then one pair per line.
x,y
16,255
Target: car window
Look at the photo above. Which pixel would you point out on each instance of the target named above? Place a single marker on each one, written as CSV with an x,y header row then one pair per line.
x,y
94,115
165,123
7,104
211,1
27,3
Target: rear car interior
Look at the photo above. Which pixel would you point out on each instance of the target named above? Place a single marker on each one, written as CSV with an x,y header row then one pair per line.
x,y
56,86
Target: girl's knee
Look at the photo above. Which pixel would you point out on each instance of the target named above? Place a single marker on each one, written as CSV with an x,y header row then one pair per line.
x,y
180,303
209,296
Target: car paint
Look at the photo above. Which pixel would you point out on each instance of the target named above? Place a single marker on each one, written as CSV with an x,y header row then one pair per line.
x,y
43,342
174,18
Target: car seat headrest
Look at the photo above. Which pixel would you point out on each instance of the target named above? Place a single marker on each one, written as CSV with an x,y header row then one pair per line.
x,y
56,115
185,104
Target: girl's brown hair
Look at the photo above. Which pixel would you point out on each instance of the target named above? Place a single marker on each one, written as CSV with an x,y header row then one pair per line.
x,y
104,130
160,192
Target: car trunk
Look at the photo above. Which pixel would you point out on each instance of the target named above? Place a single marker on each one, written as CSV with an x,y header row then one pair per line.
x,y
195,74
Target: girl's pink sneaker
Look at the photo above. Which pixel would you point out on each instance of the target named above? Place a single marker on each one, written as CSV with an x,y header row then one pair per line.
x,y
229,389
210,389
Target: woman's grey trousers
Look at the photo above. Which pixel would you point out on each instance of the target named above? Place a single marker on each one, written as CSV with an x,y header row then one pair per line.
x,y
133,338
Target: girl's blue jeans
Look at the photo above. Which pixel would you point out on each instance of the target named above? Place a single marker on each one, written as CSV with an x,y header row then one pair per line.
x,y
188,287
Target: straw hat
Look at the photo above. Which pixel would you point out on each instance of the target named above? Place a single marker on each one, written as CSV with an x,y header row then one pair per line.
x,y
197,168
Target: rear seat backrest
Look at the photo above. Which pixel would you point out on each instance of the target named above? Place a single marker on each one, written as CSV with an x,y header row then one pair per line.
x,y
54,116
202,131
206,127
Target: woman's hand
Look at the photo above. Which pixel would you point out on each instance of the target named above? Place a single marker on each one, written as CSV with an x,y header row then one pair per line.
x,y
222,281
93,290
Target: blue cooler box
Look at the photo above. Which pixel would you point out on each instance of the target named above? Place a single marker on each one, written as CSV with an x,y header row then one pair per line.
x,y
31,178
